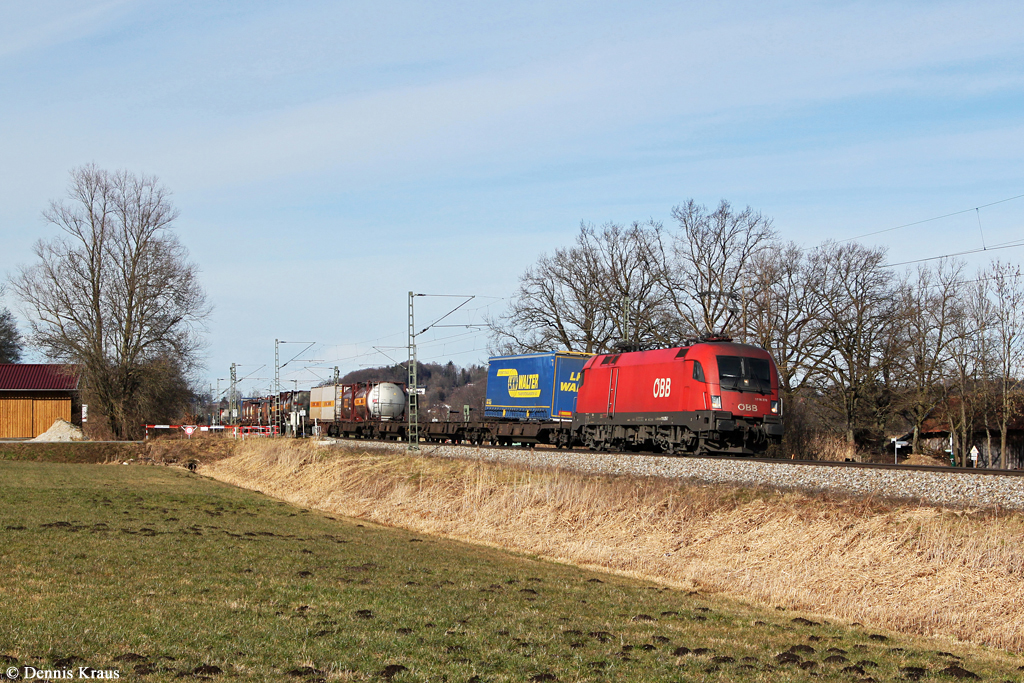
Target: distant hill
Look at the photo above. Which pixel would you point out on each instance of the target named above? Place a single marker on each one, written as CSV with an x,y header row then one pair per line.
x,y
449,387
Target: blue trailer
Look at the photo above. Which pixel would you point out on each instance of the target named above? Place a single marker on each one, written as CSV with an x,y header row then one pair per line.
x,y
534,386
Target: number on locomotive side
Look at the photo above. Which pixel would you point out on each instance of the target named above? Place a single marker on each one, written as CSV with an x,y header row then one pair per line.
x,y
662,387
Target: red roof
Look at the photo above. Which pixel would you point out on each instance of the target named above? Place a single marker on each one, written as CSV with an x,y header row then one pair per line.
x,y
38,377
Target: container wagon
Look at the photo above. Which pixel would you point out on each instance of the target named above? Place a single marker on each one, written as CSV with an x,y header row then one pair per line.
x,y
534,386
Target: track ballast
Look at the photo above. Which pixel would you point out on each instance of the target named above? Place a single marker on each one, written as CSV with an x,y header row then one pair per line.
x,y
945,486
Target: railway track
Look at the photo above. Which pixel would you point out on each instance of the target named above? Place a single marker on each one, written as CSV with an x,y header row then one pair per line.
x,y
946,486
881,466
813,463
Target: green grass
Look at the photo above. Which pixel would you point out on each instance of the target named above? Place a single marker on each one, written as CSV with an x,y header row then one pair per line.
x,y
169,571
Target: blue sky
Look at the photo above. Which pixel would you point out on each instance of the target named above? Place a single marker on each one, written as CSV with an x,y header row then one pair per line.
x,y
327,157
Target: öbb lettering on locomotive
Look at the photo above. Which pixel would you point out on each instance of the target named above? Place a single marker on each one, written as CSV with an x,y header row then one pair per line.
x,y
709,397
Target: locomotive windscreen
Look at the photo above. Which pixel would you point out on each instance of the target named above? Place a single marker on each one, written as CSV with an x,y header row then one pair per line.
x,y
739,373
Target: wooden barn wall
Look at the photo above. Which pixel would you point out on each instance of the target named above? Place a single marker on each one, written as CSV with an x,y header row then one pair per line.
x,y
28,415
45,411
15,417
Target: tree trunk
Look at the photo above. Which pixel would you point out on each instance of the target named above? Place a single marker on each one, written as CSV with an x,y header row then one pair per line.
x,y
962,458
1002,443
988,445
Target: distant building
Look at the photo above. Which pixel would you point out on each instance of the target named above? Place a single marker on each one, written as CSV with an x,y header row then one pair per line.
x,y
936,432
34,395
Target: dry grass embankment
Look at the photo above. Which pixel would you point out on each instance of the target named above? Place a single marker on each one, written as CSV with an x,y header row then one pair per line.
x,y
77,452
163,451
909,568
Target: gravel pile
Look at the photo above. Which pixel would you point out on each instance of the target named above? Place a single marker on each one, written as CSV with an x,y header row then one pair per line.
x,y
953,488
61,430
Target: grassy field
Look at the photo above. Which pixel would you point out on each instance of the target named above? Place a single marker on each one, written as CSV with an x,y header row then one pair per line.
x,y
905,567
163,574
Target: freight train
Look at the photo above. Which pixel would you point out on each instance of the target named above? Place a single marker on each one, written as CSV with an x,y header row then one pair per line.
x,y
711,396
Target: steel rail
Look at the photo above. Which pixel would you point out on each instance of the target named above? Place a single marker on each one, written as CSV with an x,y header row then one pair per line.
x,y
775,461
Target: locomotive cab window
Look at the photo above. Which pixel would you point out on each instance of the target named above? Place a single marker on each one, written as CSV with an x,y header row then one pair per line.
x,y
739,373
698,371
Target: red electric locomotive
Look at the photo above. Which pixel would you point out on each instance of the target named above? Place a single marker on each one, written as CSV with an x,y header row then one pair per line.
x,y
713,396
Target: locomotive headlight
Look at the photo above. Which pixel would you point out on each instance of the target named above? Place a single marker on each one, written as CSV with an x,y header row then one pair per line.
x,y
775,407
716,402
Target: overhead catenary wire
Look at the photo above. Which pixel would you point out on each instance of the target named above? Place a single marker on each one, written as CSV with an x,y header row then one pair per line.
x,y
978,213
473,331
251,374
451,355
376,349
934,218
1005,245
310,345
373,342
470,298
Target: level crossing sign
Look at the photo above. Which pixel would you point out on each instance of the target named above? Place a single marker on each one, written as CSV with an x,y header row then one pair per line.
x,y
189,429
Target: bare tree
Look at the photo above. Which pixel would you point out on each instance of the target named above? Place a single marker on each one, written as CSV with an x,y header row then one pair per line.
x,y
708,263
630,280
1008,342
857,318
784,311
782,314
115,292
931,318
970,358
602,290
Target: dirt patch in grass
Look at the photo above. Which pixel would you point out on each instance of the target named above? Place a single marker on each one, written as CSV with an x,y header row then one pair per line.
x,y
201,448
909,568
926,460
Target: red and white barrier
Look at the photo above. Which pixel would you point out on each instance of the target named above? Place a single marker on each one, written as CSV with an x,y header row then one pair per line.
x,y
235,430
